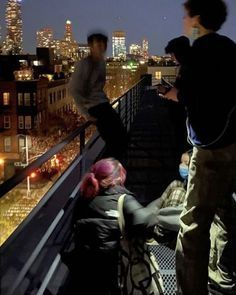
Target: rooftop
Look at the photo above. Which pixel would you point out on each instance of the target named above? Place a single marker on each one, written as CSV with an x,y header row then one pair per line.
x,y
152,162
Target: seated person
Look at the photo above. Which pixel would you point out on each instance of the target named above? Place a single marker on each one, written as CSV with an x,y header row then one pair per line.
x,y
97,234
222,264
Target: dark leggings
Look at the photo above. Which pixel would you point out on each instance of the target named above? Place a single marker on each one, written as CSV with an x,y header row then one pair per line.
x,y
111,130
94,275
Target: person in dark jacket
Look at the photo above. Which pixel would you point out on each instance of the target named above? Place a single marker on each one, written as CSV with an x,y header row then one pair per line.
x,y
209,96
179,49
97,233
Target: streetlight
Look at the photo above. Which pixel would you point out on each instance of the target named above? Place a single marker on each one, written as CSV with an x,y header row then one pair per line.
x,y
26,148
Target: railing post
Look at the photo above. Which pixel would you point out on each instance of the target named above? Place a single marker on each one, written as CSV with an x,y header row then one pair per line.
x,y
133,102
138,95
126,110
119,107
132,106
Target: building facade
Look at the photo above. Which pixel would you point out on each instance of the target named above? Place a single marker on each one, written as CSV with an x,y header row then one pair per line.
x,y
169,73
23,108
68,31
135,49
119,45
84,50
14,37
59,99
44,37
145,49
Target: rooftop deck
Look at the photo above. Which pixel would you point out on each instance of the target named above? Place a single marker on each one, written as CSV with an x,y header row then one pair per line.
x,y
31,259
153,155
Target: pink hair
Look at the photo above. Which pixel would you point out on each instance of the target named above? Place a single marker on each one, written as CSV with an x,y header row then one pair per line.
x,y
104,174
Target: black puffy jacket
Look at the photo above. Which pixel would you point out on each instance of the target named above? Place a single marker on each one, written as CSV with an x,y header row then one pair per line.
x,y
96,225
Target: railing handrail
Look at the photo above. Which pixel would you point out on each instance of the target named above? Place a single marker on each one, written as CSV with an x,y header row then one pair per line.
x,y
125,93
57,220
167,82
9,184
12,182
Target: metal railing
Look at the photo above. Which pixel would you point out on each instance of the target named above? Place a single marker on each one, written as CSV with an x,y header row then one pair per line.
x,y
31,256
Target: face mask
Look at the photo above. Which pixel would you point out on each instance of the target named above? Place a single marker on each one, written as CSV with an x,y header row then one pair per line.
x,y
183,171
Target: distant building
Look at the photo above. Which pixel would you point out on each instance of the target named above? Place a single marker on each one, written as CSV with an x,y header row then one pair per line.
x,y
14,36
44,37
66,48
26,108
122,75
169,73
23,108
59,99
84,50
145,49
45,61
68,31
9,64
119,45
135,49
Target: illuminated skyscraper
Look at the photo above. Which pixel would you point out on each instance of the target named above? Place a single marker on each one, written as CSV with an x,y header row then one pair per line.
x,y
14,37
145,46
66,48
135,49
68,32
119,44
44,37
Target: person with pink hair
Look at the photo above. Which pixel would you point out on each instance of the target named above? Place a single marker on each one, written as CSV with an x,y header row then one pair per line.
x,y
95,262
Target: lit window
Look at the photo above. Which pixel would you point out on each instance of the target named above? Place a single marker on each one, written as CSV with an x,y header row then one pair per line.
x,y
6,98
7,144
21,144
28,122
158,75
20,99
20,122
7,122
27,99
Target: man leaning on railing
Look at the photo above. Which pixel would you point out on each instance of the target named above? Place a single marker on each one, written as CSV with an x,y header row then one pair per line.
x,y
87,87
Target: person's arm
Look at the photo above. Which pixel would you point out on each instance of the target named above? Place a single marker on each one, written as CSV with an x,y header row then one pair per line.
x,y
168,218
77,85
140,221
172,94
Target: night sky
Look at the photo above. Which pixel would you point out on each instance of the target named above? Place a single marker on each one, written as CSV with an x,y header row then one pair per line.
x,y
156,20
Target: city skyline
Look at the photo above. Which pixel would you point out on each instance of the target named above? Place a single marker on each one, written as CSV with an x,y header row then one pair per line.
x,y
162,19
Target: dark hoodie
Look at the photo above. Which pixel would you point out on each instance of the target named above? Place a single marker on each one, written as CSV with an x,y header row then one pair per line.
x,y
96,221
95,262
208,91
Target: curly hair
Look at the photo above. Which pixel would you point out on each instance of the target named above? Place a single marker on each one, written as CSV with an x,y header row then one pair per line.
x,y
212,13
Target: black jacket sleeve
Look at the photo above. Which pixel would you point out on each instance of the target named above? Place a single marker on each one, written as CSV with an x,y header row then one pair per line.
x,y
140,221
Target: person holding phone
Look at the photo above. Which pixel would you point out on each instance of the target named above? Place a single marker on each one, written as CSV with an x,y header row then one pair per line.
x,y
211,111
